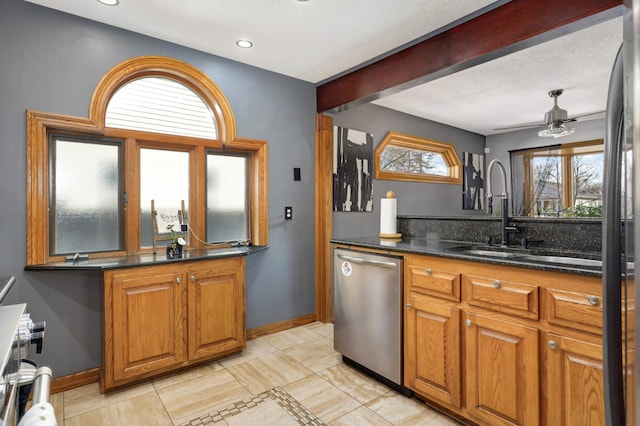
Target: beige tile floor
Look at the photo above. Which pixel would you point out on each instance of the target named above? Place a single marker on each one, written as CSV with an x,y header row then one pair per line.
x,y
288,378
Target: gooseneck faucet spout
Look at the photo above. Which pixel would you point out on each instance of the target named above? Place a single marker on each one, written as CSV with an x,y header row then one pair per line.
x,y
505,200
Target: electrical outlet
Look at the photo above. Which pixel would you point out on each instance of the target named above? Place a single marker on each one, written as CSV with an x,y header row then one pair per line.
x,y
288,213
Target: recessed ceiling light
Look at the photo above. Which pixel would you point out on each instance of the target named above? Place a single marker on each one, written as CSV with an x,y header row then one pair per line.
x,y
109,2
245,44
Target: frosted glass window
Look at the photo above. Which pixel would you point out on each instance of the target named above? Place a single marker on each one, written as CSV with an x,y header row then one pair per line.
x,y
164,178
227,197
160,105
85,197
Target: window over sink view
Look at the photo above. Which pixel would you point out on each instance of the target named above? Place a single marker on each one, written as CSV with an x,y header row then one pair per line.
x,y
563,180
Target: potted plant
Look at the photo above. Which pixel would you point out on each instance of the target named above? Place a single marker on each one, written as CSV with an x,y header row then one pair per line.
x,y
174,248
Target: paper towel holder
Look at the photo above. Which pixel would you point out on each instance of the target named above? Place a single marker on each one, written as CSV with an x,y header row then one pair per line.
x,y
392,211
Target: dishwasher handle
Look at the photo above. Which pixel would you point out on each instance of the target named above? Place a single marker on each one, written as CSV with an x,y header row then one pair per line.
x,y
378,263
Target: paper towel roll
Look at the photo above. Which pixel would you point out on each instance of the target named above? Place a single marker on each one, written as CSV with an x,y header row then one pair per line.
x,y
41,414
388,212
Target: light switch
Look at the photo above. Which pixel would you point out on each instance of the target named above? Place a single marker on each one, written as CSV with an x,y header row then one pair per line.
x,y
288,213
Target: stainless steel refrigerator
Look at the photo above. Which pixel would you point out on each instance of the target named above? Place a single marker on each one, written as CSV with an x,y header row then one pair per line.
x,y
620,236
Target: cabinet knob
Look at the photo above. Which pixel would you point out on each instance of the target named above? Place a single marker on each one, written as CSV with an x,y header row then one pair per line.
x,y
593,300
427,271
193,278
178,280
552,344
468,323
496,284
408,306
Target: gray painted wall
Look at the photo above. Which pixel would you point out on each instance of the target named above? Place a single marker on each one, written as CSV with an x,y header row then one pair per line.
x,y
414,198
51,61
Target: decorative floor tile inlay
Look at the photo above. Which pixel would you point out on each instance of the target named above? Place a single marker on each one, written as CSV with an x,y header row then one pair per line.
x,y
288,403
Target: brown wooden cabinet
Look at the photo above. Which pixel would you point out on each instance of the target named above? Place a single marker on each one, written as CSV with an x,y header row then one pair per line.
x,y
477,342
433,373
574,385
216,308
501,371
161,318
148,327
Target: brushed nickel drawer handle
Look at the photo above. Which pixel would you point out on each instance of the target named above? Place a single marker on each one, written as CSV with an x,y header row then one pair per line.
x,y
496,284
408,306
468,323
178,280
427,271
593,300
552,344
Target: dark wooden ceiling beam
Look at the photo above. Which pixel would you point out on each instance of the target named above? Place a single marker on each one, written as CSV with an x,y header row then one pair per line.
x,y
514,26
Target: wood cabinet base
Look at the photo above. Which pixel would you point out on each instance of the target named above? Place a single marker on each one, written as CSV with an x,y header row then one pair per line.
x,y
163,318
502,345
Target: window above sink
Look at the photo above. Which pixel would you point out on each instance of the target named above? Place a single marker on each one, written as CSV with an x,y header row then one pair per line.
x,y
564,180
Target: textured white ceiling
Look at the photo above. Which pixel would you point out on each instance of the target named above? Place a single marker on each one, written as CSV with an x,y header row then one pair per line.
x,y
513,90
310,40
317,39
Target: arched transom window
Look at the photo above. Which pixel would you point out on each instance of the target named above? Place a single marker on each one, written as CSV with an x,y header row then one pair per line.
x,y
160,105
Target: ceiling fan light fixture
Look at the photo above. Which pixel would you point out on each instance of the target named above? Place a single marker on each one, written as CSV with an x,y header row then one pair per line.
x,y
556,131
555,119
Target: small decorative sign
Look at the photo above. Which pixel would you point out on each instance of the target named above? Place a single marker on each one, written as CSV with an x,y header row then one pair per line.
x,y
166,218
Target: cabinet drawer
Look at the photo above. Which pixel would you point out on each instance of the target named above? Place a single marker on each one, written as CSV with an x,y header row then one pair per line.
x,y
575,310
434,282
502,296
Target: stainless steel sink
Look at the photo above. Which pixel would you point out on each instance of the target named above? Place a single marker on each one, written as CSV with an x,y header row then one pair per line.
x,y
576,261
507,253
490,253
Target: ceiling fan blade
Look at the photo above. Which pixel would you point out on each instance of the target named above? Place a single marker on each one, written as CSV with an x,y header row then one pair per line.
x,y
530,126
577,117
524,126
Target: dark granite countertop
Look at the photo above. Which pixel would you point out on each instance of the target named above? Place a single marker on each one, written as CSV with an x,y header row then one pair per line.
x,y
133,261
464,251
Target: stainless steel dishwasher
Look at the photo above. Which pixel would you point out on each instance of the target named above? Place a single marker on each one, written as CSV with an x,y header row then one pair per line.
x,y
367,294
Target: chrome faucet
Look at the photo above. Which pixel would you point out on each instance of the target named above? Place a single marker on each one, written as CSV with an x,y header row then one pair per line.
x,y
505,200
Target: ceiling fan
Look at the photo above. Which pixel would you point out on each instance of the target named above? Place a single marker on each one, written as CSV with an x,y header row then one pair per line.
x,y
554,120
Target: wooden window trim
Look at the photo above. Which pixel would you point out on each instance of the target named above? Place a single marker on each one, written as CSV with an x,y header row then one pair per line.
x,y
447,150
40,124
174,69
566,152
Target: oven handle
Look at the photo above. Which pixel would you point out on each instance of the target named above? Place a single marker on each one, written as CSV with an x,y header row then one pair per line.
x,y
42,385
378,263
6,287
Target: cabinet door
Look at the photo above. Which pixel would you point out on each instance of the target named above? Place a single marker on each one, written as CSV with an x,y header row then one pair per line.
x,y
432,350
216,303
574,390
148,324
502,368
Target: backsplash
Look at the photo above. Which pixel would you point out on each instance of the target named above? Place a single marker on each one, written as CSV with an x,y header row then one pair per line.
x,y
581,234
